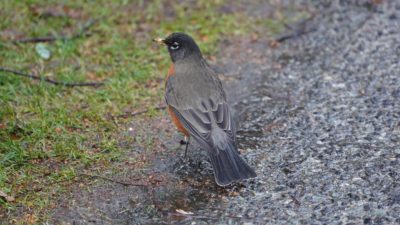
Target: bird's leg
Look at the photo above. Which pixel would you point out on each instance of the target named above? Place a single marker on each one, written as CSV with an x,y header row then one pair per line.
x,y
187,140
183,142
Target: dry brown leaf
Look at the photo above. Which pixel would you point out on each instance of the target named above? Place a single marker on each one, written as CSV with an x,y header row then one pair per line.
x,y
30,219
6,197
181,211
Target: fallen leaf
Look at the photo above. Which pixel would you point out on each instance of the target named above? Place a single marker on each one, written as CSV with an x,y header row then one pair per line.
x,y
273,44
181,211
6,197
213,58
204,38
254,37
376,2
235,193
30,219
43,51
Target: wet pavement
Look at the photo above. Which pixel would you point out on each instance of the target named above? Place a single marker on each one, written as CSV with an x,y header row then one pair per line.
x,y
319,119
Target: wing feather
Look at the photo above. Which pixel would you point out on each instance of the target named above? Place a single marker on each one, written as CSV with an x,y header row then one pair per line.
x,y
200,115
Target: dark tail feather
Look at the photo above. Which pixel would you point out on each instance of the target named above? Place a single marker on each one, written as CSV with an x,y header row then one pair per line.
x,y
229,166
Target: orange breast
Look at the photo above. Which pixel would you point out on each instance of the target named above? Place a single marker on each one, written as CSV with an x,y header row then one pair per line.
x,y
177,123
174,118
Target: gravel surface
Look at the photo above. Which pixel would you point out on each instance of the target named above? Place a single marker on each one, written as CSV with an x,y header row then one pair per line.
x,y
320,122
328,123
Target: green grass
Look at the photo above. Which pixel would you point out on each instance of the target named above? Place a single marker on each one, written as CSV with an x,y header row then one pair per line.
x,y
49,132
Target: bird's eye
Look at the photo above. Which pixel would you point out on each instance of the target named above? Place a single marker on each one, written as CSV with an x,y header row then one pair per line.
x,y
174,46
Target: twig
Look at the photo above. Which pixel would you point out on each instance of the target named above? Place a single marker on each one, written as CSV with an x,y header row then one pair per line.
x,y
39,189
81,32
140,112
212,217
297,31
38,39
146,110
294,34
112,180
295,201
34,77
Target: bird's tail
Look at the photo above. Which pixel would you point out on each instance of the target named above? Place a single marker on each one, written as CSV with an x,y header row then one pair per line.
x,y
228,165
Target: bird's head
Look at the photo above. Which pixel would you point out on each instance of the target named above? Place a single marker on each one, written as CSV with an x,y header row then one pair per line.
x,y
180,46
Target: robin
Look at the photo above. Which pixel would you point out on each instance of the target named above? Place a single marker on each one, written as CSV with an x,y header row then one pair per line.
x,y
198,107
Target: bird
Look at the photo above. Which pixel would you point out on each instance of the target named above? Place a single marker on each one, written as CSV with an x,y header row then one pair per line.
x,y
197,105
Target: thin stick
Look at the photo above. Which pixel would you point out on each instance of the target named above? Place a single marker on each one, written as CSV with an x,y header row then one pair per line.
x,y
140,112
294,34
80,33
212,217
38,189
297,31
111,180
34,77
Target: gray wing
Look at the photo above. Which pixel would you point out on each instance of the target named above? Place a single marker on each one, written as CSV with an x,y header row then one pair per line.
x,y
202,116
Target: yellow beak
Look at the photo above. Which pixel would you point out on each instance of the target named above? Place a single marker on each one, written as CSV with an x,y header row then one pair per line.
x,y
159,41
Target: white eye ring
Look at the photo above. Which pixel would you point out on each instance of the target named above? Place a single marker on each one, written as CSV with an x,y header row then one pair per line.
x,y
174,46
